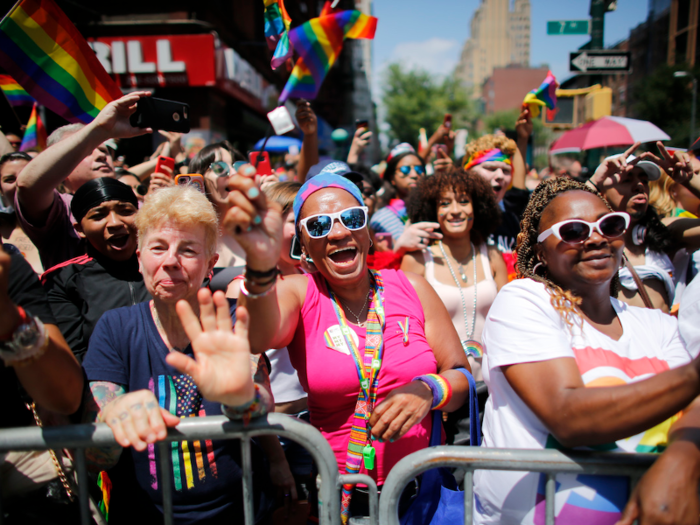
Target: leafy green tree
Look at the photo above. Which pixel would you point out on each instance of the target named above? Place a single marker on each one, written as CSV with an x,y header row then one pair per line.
x,y
416,99
666,101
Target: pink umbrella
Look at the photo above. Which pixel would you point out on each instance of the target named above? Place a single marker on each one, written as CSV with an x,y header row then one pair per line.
x,y
608,131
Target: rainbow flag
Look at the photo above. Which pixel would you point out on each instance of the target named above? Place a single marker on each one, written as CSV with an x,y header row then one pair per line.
x,y
35,134
318,43
277,23
49,58
545,95
14,93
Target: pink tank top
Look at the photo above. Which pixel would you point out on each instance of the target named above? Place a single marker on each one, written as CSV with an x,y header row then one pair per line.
x,y
329,375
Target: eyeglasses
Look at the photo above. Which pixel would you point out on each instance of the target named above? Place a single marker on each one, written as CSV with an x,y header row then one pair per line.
x,y
420,170
575,231
318,226
220,168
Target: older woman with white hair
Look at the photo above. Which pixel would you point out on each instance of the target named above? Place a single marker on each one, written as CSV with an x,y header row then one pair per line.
x,y
143,377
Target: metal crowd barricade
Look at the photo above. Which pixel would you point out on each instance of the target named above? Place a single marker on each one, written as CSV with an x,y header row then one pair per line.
x,y
80,437
469,459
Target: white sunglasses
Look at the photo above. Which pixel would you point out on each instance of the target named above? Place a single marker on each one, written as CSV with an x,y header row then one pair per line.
x,y
575,231
318,226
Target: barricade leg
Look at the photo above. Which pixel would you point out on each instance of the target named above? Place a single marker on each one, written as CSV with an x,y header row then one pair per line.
x,y
166,467
468,496
354,479
550,492
247,481
83,494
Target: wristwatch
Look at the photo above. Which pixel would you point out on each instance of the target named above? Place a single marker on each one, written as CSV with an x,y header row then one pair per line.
x,y
28,340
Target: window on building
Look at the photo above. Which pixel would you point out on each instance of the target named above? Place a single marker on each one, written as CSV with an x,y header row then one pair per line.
x,y
681,48
683,14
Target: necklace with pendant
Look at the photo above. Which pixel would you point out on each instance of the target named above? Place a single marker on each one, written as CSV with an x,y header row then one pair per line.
x,y
470,346
356,316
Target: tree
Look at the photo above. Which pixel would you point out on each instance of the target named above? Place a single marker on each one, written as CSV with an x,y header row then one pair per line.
x,y
416,99
665,100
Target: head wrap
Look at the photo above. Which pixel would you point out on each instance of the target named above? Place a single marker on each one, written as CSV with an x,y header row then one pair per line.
x,y
321,182
404,147
489,155
95,192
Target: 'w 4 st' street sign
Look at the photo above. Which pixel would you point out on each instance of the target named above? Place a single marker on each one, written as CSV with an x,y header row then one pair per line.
x,y
599,62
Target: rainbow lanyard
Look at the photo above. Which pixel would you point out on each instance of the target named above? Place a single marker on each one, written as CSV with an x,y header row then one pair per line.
x,y
360,447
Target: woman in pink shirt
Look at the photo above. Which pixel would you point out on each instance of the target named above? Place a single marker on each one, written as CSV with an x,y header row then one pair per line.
x,y
375,351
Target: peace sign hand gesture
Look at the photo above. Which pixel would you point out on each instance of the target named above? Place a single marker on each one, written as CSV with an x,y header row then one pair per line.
x,y
611,167
221,367
678,166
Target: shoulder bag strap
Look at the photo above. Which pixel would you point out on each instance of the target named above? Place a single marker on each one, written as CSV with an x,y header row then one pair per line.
x,y
638,282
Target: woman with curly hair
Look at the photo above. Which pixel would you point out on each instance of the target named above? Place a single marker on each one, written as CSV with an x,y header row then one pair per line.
x,y
558,330
500,162
465,208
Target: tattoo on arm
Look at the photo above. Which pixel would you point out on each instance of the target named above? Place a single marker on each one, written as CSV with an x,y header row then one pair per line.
x,y
99,394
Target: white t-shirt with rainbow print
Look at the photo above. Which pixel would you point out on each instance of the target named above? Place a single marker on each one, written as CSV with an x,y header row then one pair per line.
x,y
522,326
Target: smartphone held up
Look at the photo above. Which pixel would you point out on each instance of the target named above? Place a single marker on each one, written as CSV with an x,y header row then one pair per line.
x,y
191,179
158,113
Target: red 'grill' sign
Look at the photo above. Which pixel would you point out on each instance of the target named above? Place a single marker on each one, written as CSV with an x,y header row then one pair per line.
x,y
157,61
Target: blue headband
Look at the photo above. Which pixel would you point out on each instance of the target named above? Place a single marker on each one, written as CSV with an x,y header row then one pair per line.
x,y
321,182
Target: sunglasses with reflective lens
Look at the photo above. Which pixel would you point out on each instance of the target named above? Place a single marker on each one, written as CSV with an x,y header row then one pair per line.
x,y
420,170
223,169
576,231
318,226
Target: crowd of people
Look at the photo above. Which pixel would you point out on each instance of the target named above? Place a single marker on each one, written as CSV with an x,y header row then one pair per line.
x,y
360,300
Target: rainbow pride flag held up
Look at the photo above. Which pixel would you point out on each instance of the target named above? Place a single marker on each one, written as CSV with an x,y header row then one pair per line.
x,y
45,53
277,23
545,95
35,134
15,94
318,43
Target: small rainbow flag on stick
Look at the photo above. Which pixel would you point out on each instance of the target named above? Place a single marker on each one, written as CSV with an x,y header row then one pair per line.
x,y
35,134
49,58
319,42
277,23
545,95
15,94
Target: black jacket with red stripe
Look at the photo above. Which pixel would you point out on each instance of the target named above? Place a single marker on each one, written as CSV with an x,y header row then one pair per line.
x,y
82,289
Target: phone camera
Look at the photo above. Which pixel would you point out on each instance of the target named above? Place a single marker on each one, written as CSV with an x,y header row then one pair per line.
x,y
176,117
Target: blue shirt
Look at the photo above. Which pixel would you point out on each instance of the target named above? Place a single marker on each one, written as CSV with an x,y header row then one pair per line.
x,y
126,348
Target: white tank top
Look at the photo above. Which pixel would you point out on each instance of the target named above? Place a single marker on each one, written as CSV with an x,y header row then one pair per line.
x,y
486,291
284,380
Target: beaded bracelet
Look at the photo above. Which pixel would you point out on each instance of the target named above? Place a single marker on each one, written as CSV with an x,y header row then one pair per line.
x,y
253,275
251,295
439,386
247,411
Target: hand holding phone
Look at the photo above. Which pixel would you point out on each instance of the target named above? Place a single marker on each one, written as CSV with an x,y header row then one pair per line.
x,y
447,121
261,162
361,123
165,165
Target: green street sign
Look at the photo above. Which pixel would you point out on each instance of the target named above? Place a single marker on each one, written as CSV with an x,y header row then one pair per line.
x,y
568,27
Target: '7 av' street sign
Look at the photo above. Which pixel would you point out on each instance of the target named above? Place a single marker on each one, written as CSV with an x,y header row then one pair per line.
x,y
599,62
568,27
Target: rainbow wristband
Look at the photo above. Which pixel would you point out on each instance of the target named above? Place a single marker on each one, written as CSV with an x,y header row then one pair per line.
x,y
440,387
250,410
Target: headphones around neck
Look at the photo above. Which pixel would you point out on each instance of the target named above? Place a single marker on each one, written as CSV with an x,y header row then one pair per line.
x,y
639,233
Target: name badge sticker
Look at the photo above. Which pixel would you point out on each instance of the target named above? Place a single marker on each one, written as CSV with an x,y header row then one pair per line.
x,y
335,340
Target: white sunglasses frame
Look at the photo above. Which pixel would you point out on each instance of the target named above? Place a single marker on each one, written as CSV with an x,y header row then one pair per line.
x,y
334,216
594,226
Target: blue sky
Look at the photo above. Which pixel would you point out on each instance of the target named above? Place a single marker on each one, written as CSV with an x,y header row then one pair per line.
x,y
430,33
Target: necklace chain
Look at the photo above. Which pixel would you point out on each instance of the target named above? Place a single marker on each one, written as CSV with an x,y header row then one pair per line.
x,y
469,331
356,316
159,325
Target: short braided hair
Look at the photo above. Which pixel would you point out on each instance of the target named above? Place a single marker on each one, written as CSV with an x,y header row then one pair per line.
x,y
563,301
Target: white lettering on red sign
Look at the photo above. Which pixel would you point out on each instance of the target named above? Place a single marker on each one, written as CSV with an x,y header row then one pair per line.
x,y
118,60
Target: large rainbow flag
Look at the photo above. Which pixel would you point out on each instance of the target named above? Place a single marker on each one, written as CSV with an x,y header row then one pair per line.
x,y
15,94
49,58
545,95
277,23
35,134
318,43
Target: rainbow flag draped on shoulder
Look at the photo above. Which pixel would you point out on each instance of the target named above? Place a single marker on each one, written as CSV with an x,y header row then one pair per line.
x,y
318,43
15,94
44,52
277,23
545,95
35,134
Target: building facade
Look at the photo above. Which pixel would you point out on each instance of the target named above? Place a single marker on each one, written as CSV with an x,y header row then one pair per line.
x,y
506,87
499,37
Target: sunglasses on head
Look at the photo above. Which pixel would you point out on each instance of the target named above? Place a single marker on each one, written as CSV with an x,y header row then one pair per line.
x,y
420,170
318,226
574,231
